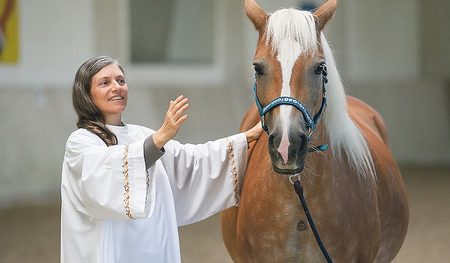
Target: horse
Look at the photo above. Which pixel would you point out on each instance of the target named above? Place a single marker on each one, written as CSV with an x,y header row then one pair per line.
x,y
354,189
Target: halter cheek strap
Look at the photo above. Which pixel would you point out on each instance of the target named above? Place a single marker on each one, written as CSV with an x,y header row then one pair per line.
x,y
311,122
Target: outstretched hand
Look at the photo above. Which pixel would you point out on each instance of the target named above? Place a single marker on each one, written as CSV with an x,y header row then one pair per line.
x,y
174,119
254,133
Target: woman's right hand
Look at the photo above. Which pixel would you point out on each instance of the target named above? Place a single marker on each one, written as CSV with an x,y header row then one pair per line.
x,y
174,119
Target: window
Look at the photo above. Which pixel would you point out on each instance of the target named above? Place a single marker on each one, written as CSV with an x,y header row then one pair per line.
x,y
164,42
172,31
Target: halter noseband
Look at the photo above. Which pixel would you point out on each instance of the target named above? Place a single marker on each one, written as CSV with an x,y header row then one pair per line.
x,y
311,122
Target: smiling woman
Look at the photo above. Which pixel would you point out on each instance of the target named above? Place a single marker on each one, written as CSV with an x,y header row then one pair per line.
x,y
126,188
90,116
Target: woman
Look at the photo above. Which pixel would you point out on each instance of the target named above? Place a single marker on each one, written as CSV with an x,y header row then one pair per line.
x,y
126,188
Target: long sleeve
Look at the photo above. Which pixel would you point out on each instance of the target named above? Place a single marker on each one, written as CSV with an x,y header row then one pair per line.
x,y
103,187
151,152
205,178
105,183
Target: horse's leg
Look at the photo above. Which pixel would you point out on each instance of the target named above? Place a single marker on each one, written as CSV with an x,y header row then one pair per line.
x,y
228,223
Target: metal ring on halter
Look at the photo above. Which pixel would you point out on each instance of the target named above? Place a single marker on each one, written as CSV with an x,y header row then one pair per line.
x,y
294,175
310,132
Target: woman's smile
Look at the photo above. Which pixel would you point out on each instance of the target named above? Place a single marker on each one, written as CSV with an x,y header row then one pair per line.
x,y
115,98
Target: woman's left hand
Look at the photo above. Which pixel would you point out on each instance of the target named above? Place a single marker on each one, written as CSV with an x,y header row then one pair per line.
x,y
254,133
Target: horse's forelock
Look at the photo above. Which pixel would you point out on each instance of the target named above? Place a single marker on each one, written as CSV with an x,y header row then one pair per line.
x,y
292,27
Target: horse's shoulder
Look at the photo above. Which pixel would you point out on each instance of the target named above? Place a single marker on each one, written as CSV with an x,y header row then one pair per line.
x,y
367,117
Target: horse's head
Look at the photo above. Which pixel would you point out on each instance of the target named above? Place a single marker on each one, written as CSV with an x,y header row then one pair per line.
x,y
289,65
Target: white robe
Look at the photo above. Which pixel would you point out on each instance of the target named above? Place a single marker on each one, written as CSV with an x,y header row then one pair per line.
x,y
104,187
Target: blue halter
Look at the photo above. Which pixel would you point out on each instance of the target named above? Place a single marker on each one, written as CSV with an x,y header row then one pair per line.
x,y
311,122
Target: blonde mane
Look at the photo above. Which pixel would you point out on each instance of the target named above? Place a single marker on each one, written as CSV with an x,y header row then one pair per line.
x,y
292,33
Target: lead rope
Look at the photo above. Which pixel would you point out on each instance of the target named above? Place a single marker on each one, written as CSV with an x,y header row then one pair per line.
x,y
298,187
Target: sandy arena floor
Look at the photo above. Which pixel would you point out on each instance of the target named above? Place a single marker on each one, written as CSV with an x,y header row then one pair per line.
x,y
31,234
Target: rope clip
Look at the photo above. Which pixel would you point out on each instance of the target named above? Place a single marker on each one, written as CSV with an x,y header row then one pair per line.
x,y
292,176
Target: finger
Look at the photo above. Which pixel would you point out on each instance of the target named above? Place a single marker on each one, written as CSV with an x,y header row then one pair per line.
x,y
177,100
180,112
180,105
181,120
173,103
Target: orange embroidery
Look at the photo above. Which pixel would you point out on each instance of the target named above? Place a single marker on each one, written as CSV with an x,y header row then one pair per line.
x,y
233,170
126,181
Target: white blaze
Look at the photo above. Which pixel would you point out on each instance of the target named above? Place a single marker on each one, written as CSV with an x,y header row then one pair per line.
x,y
288,53
290,32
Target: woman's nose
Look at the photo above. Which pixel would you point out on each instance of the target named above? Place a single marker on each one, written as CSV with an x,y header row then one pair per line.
x,y
116,85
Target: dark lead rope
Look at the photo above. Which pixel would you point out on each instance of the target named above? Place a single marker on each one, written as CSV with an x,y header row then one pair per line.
x,y
298,187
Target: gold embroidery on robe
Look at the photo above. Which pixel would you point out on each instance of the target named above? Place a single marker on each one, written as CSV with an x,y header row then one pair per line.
x,y
233,170
126,181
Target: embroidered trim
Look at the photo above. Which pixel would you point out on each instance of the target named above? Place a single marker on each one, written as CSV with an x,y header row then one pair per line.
x,y
233,170
148,186
126,181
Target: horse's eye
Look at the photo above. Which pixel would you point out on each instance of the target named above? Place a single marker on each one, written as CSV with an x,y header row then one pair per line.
x,y
258,69
321,69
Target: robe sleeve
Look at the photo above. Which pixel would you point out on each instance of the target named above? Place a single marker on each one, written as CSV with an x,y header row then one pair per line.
x,y
205,178
106,183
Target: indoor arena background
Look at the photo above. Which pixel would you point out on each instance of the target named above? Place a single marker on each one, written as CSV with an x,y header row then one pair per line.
x,y
394,55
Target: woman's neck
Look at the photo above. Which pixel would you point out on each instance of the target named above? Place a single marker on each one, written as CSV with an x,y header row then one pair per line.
x,y
114,120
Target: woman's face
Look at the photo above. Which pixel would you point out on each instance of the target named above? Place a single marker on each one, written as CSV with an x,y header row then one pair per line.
x,y
110,93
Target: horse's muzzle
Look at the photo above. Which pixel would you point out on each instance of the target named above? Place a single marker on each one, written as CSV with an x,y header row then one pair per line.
x,y
288,151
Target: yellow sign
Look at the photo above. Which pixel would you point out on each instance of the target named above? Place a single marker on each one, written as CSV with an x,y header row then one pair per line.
x,y
9,31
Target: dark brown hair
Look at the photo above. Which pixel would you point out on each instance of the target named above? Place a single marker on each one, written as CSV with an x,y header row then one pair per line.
x,y
89,115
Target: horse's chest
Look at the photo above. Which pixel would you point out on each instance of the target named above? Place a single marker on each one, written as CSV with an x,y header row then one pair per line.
x,y
274,228
277,230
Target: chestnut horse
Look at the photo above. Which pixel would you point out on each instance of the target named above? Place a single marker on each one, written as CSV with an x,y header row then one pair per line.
x,y
354,189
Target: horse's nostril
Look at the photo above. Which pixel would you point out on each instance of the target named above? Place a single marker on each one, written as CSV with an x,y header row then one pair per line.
x,y
270,142
301,140
270,138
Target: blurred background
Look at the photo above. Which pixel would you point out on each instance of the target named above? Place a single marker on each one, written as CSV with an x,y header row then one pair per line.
x,y
395,55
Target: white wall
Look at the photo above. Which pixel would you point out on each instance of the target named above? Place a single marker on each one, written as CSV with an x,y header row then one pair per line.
x,y
380,50
35,106
55,37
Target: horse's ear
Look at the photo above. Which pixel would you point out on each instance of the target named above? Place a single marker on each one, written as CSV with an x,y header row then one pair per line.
x,y
256,14
325,13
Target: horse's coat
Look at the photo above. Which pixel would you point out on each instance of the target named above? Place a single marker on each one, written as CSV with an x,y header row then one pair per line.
x,y
354,190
